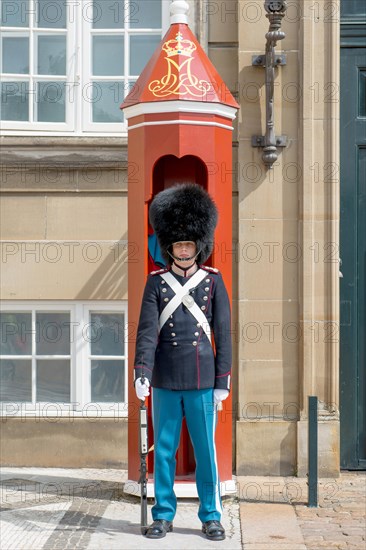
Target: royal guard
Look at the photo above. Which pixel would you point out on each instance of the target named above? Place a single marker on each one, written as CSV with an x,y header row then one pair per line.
x,y
183,351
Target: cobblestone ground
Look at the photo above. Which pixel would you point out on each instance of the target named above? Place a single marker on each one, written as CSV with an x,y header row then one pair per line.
x,y
55,509
339,521
49,509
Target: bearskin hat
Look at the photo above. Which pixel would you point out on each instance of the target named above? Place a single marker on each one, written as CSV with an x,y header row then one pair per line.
x,y
184,212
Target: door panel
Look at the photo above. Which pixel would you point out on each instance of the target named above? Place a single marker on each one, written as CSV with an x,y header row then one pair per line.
x,y
353,255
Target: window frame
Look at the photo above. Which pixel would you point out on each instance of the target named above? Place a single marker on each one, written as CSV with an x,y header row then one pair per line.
x,y
80,404
14,127
88,357
78,76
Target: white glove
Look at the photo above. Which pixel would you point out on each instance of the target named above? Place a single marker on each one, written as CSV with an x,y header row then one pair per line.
x,y
220,395
142,389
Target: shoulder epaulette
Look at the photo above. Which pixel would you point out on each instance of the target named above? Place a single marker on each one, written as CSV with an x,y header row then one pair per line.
x,y
158,271
210,269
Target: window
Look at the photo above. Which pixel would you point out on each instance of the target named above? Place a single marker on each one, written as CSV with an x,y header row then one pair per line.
x,y
60,359
66,65
106,356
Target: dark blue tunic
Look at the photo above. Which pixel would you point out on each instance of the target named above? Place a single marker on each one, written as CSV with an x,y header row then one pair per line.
x,y
181,356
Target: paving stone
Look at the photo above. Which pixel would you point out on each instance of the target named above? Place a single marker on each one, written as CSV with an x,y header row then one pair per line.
x,y
354,522
357,514
349,531
270,524
321,513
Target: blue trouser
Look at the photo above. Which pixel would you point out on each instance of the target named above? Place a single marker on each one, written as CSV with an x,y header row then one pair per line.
x,y
169,407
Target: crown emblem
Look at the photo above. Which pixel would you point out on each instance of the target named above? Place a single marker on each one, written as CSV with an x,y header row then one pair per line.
x,y
179,46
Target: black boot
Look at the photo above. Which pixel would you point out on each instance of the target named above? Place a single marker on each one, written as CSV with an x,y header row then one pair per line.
x,y
213,530
159,528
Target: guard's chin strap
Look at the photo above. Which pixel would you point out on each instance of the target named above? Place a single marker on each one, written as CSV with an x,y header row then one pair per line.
x,y
184,269
178,258
187,258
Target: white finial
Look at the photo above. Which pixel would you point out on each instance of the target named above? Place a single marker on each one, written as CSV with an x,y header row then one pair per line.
x,y
179,12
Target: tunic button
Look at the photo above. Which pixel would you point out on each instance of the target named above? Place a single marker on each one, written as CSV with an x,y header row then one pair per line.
x,y
203,308
162,282
205,298
198,324
166,299
207,280
207,288
175,343
163,289
171,324
194,343
196,333
171,317
173,333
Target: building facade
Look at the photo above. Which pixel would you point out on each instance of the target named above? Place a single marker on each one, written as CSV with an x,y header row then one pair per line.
x,y
66,67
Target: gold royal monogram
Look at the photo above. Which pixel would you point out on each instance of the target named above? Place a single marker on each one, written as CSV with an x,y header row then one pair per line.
x,y
185,83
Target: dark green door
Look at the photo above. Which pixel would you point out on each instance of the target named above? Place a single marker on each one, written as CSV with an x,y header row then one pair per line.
x,y
353,256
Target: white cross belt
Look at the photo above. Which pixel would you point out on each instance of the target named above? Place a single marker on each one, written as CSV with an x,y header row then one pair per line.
x,y
182,295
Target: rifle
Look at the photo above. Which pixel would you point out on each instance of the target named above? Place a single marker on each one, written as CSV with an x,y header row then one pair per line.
x,y
144,449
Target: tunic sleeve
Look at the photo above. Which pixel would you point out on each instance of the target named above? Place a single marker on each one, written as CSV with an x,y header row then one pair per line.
x,y
221,322
147,331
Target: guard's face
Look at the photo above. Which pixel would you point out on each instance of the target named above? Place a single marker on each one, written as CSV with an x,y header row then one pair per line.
x,y
184,250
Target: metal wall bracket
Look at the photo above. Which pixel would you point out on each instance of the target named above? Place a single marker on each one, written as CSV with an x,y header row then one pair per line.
x,y
260,60
276,10
260,141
